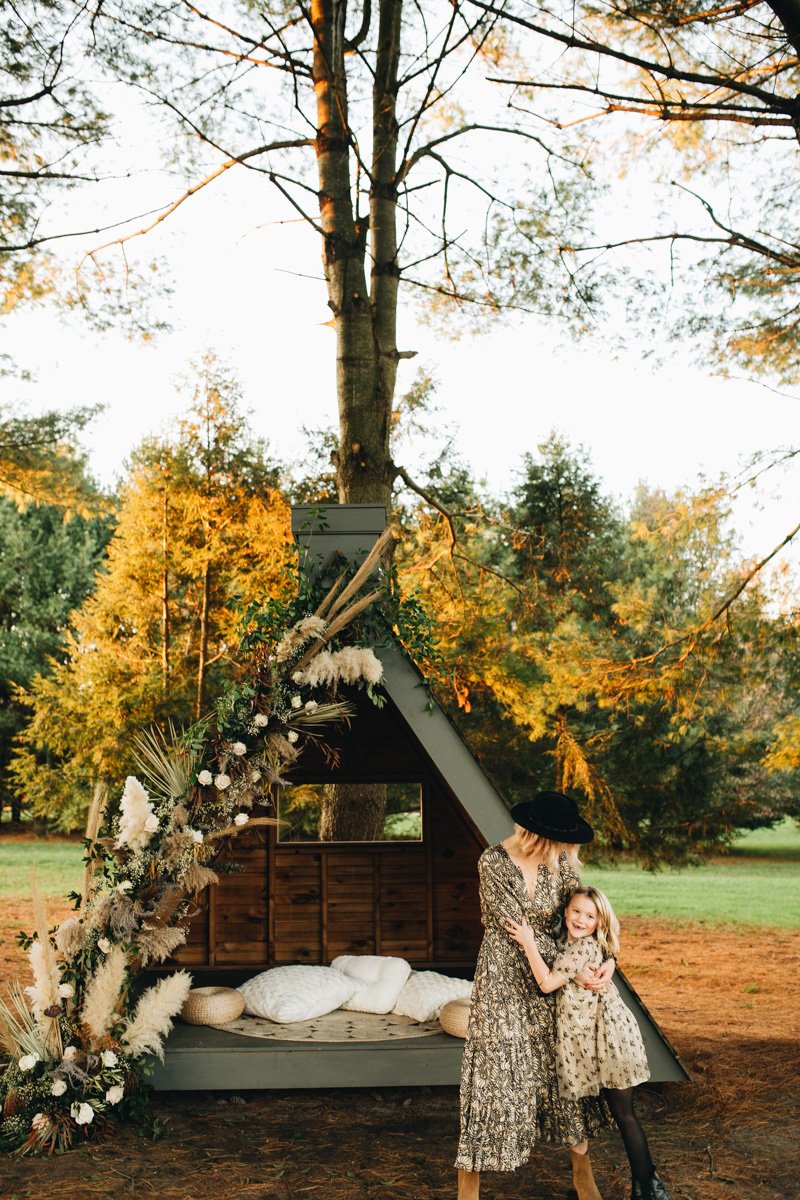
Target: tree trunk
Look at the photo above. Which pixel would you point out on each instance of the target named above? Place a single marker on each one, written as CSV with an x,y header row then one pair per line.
x,y
202,657
366,355
352,812
165,630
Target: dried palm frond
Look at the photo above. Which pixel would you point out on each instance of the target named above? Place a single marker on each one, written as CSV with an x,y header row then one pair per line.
x,y
166,763
19,1030
323,714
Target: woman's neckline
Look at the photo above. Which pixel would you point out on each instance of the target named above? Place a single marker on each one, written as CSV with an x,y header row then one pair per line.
x,y
521,873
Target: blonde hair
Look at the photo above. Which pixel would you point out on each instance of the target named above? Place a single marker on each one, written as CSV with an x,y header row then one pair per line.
x,y
607,932
546,850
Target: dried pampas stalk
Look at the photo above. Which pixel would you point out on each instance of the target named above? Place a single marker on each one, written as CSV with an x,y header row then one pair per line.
x,y
363,573
155,945
152,1020
97,811
46,975
328,600
344,618
229,830
196,877
102,994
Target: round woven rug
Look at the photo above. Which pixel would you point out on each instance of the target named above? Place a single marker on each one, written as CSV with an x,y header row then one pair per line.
x,y
339,1026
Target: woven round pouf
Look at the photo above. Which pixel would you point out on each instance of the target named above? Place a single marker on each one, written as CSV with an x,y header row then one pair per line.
x,y
212,1006
454,1017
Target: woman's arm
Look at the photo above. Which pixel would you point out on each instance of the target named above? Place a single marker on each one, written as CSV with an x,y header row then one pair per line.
x,y
546,979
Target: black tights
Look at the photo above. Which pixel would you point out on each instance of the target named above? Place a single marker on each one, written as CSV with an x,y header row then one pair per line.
x,y
620,1101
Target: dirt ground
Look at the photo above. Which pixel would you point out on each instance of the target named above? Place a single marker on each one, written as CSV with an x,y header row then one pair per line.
x,y
729,1002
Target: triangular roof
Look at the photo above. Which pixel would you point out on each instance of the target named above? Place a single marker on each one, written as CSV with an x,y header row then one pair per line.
x,y
350,531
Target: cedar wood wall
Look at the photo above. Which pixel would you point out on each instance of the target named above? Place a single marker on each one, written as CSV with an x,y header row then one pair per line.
x,y
295,903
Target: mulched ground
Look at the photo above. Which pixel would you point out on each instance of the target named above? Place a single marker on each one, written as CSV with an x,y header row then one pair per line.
x,y
728,1000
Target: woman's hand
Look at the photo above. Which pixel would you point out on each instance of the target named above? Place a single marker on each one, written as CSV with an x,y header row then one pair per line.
x,y
520,931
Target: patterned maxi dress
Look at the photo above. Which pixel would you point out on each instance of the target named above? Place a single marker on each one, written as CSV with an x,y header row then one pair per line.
x,y
509,1087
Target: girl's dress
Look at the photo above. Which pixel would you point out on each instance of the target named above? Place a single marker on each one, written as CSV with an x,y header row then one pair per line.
x,y
509,1087
599,1043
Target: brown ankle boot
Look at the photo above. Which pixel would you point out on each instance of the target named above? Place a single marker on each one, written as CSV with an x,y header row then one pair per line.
x,y
583,1178
469,1185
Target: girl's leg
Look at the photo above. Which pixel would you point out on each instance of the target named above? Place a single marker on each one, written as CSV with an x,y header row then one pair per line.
x,y
645,1181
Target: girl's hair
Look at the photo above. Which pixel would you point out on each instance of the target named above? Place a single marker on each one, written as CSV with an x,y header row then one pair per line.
x,y
549,852
607,932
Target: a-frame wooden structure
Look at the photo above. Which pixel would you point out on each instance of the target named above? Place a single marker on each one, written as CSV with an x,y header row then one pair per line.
x,y
309,902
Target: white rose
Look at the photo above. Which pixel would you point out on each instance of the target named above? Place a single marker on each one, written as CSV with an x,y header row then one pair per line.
x,y
239,748
261,720
296,701
109,1058
311,705
70,1052
298,677
151,824
292,735
115,1094
65,990
222,781
197,836
59,1087
255,776
82,1114
205,778
39,1121
124,887
28,1062
103,944
241,819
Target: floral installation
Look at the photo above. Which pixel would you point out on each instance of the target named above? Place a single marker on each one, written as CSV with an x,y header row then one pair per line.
x,y
76,1046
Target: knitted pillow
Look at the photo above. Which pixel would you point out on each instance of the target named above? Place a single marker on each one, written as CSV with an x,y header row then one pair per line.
x,y
426,992
379,980
296,993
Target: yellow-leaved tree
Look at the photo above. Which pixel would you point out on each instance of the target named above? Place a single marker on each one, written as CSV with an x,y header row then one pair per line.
x,y
203,529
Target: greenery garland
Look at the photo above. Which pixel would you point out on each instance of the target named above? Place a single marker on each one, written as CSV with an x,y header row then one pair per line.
x,y
79,1042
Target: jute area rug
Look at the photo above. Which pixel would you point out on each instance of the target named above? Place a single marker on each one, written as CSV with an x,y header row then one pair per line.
x,y
339,1026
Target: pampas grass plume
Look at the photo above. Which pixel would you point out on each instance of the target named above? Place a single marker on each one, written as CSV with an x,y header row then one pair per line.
x,y
102,994
135,808
152,1020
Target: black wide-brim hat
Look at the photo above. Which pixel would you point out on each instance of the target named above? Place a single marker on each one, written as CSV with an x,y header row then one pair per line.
x,y
554,816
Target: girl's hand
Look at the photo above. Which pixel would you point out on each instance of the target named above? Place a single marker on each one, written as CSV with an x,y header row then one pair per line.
x,y
597,979
520,931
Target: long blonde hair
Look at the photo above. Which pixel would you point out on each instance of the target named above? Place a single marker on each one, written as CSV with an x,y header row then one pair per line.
x,y
607,932
546,850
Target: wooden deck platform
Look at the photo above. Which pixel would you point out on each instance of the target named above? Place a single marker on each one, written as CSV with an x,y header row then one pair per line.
x,y
200,1058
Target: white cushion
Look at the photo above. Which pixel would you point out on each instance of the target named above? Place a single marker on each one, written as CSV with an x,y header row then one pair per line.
x,y
379,979
296,993
426,992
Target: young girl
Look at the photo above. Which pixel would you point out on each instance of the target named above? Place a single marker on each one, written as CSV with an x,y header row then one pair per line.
x,y
598,1041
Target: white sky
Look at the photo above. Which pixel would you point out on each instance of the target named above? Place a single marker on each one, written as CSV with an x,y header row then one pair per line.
x,y
235,268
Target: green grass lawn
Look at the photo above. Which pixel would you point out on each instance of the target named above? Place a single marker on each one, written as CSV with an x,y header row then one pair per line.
x,y
757,884
58,865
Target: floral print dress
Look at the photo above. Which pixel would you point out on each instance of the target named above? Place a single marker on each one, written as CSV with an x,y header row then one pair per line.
x,y
509,1085
599,1043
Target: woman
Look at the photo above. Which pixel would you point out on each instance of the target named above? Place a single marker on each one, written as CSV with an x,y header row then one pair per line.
x,y
509,1089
